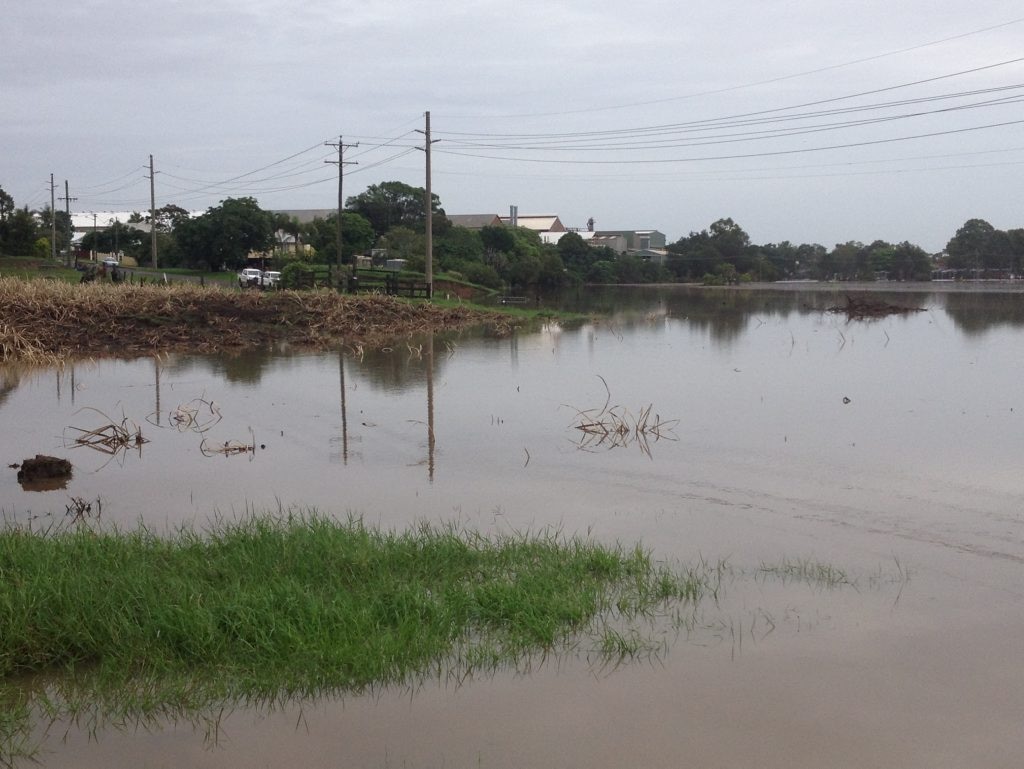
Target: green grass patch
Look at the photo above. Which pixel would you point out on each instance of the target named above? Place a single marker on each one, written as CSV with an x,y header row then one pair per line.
x,y
33,268
299,606
524,312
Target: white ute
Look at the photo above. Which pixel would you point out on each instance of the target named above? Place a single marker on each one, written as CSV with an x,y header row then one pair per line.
x,y
250,276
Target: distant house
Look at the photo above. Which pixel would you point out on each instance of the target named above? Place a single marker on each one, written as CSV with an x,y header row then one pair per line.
x,y
634,240
536,222
474,221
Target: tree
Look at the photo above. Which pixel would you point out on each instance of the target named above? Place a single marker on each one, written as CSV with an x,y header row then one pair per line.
x,y
394,204
18,233
576,255
169,217
910,262
6,205
728,238
64,227
357,236
225,235
405,243
457,248
119,236
969,248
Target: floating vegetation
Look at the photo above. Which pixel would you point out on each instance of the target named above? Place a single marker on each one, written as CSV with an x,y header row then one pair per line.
x,y
612,427
196,416
79,510
229,448
864,309
111,438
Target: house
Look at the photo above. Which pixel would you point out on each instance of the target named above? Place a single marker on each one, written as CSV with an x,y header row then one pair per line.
x,y
536,222
635,240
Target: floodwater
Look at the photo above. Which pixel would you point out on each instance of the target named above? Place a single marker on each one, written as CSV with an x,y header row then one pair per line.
x,y
890,449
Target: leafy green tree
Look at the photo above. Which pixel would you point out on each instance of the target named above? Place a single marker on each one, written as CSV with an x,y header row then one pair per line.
x,y
395,204
64,227
404,243
168,217
910,262
226,234
970,247
17,227
6,205
1015,241
602,271
357,236
728,238
119,236
459,246
576,255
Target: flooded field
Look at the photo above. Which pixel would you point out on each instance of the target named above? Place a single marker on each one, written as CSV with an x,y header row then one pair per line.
x,y
786,434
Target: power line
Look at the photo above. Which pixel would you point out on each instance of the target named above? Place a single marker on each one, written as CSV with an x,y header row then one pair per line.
x,y
742,155
454,135
754,84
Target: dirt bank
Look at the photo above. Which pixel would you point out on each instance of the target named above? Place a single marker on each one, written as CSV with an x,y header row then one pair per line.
x,y
44,321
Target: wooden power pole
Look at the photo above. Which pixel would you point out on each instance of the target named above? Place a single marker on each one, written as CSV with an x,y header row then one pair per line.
x,y
67,210
341,163
53,222
428,202
152,213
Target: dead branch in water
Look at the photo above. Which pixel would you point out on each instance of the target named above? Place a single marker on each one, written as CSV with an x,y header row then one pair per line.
x,y
111,438
612,426
197,416
229,448
864,309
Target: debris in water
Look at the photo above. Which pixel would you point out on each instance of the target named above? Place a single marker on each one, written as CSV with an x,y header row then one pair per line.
x,y
864,309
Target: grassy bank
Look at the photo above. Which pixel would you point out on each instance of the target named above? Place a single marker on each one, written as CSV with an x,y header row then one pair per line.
x,y
47,321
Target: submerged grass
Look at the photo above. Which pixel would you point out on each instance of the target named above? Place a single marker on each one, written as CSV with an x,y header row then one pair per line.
x,y
113,628
302,604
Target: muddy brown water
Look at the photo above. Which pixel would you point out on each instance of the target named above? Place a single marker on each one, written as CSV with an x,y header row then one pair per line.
x,y
884,448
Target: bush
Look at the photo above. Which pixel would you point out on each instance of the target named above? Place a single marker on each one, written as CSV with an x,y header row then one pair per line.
x,y
296,274
481,274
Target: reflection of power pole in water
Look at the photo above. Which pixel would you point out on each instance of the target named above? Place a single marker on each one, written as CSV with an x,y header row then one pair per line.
x,y
430,407
513,349
72,384
156,369
344,412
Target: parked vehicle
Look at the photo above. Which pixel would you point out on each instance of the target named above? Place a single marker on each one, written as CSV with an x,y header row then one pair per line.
x,y
271,279
111,262
250,276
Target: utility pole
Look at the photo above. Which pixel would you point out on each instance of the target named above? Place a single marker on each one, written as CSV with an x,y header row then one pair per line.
x,y
53,221
341,163
67,210
152,212
428,201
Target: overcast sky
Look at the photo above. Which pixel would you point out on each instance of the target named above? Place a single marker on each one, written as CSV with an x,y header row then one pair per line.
x,y
640,114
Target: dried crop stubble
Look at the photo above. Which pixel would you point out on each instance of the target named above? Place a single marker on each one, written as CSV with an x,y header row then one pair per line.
x,y
46,322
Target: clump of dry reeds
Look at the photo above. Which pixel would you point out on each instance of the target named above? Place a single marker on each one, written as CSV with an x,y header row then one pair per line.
x,y
196,416
46,320
611,426
229,448
110,438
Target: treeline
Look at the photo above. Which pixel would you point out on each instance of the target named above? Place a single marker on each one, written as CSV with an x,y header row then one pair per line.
x,y
392,216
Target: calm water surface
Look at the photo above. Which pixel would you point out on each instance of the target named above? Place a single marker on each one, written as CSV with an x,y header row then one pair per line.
x,y
884,448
